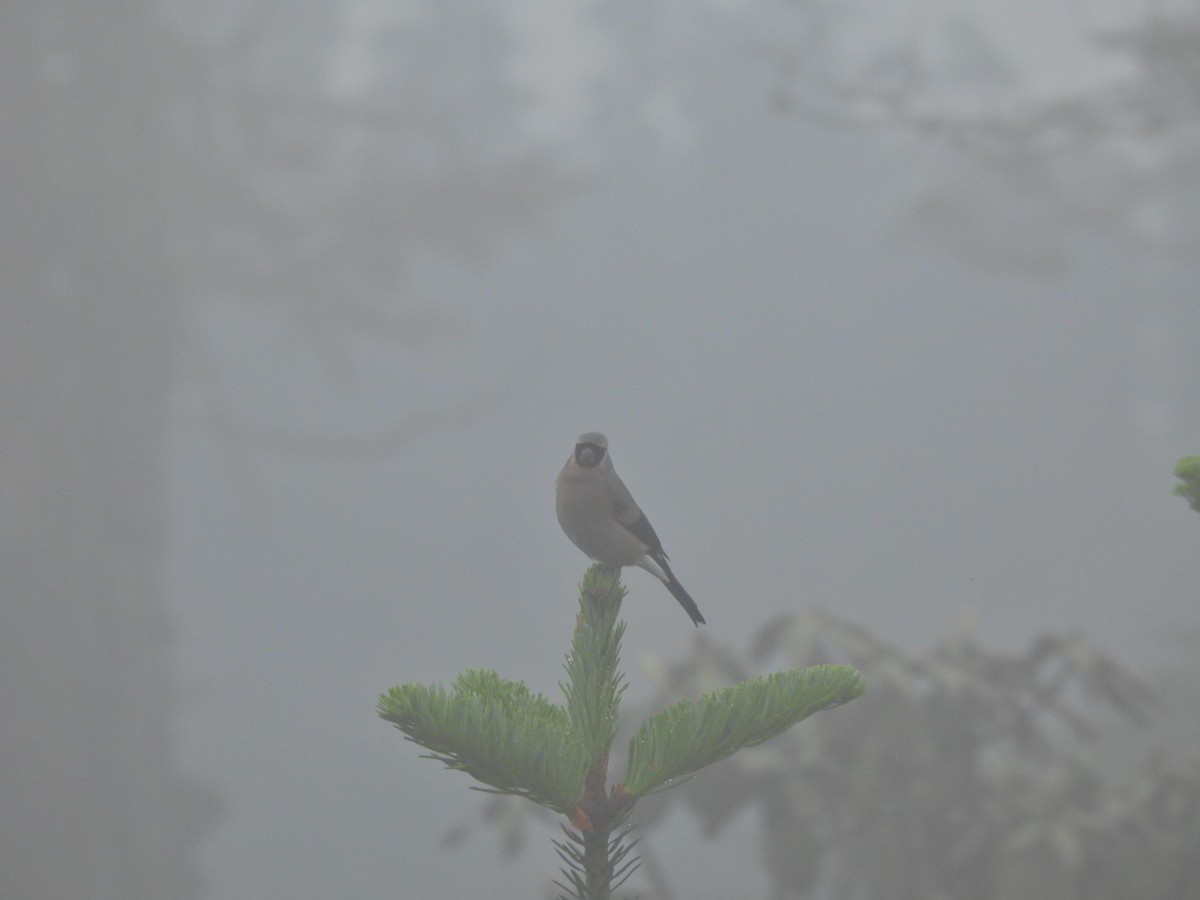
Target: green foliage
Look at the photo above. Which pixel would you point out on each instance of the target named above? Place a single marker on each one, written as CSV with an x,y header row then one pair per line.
x,y
519,743
688,736
495,730
594,683
1187,470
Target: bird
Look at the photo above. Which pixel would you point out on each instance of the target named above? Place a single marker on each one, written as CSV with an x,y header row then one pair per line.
x,y
600,516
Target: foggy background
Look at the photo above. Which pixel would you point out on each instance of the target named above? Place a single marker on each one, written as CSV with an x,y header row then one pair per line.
x,y
890,312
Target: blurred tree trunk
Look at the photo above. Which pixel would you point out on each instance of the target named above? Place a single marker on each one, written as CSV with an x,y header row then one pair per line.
x,y
92,803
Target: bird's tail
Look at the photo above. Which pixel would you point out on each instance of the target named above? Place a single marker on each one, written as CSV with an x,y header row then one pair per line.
x,y
677,591
656,564
688,604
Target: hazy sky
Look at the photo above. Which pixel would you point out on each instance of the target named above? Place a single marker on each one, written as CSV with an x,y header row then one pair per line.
x,y
839,367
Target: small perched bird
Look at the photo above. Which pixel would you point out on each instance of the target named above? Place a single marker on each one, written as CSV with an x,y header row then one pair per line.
x,y
600,516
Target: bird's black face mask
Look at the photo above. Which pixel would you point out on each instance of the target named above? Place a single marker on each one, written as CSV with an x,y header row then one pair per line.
x,y
589,455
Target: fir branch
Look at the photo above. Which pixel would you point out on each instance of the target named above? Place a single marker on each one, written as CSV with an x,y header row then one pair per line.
x,y
518,742
594,683
497,731
688,736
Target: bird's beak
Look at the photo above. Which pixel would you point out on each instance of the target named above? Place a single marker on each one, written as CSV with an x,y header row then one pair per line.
x,y
585,456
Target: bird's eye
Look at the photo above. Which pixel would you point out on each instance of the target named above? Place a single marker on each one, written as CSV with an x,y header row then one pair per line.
x,y
588,455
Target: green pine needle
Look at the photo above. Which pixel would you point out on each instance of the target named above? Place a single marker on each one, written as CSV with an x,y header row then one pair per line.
x,y
514,741
518,742
688,736
594,683
497,731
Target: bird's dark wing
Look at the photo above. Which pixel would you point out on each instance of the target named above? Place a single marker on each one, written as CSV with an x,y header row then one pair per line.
x,y
626,511
644,532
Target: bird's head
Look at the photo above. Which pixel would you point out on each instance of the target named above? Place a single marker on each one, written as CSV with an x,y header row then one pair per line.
x,y
590,449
